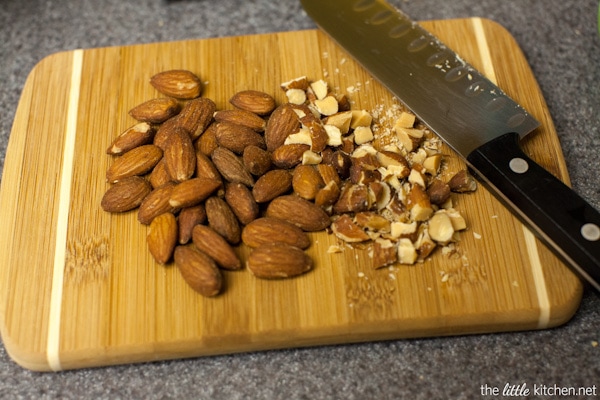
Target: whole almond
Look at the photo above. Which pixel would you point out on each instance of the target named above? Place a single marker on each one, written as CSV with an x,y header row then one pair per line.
x,y
205,168
278,260
254,101
196,116
307,181
237,137
162,237
180,156
192,192
189,217
271,185
282,123
269,230
137,161
242,202
289,155
198,270
222,219
159,175
216,247
207,142
156,111
243,118
302,213
137,135
164,132
231,166
181,84
256,160
156,203
126,194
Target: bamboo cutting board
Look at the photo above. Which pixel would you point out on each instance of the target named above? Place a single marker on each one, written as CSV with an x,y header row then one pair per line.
x,y
78,287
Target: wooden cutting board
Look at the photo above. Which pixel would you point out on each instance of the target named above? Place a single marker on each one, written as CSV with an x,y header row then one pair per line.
x,y
78,287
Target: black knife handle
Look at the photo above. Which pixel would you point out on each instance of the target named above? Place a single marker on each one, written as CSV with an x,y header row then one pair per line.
x,y
553,211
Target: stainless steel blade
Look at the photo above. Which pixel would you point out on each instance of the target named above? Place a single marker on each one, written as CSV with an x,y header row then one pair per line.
x,y
456,101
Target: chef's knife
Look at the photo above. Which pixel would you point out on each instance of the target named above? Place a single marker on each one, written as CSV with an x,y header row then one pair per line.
x,y
472,115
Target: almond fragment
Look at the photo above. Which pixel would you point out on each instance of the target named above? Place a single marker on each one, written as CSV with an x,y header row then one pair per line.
x,y
180,84
216,247
137,135
354,198
180,156
278,260
300,212
328,195
254,101
360,118
231,166
156,111
410,138
269,230
373,221
340,120
271,185
327,106
418,204
462,182
222,219
137,161
440,227
300,83
438,192
198,270
384,253
125,195
162,237
407,253
345,229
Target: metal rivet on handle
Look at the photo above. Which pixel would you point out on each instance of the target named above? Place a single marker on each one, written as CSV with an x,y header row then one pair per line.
x,y
518,165
590,232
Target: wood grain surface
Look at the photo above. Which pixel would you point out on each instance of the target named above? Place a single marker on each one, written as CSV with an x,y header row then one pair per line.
x,y
78,287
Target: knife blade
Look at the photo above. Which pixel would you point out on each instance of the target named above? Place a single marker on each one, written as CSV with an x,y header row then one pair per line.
x,y
472,115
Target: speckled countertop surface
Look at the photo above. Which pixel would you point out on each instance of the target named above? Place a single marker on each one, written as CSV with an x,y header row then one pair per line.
x,y
561,42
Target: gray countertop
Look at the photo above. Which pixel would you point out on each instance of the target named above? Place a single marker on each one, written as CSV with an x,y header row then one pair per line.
x,y
559,39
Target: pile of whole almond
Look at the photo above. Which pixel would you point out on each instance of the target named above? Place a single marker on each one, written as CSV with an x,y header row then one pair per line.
x,y
263,174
